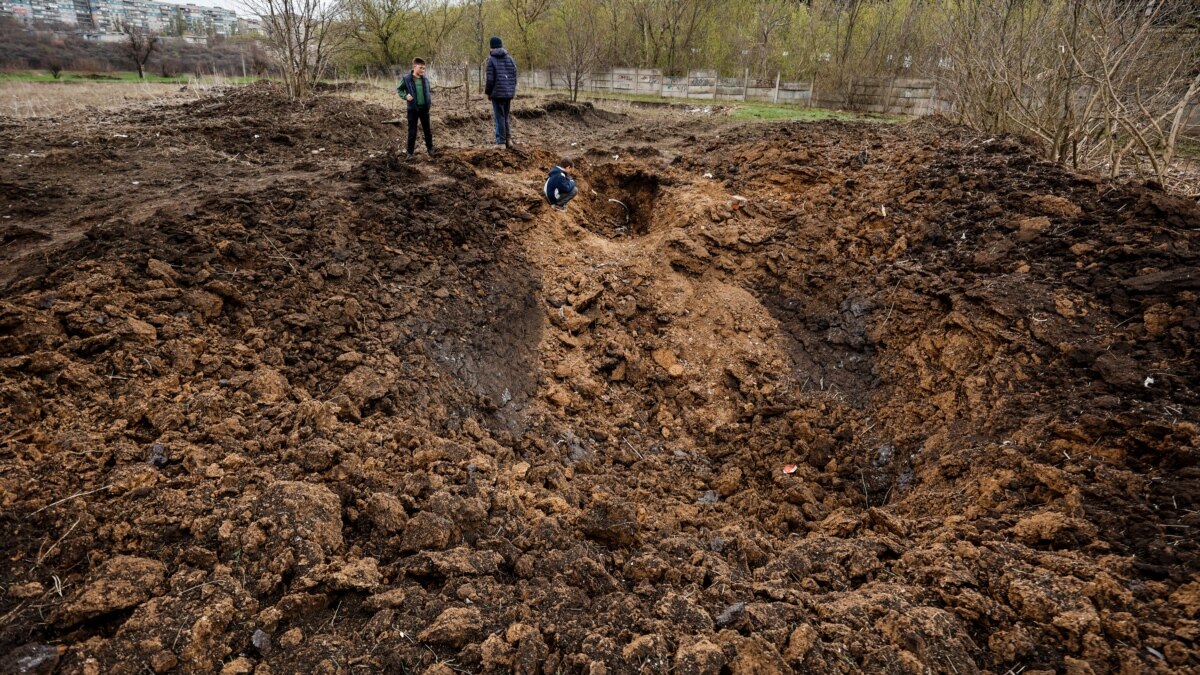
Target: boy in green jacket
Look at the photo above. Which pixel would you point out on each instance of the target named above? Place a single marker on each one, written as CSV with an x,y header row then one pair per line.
x,y
414,87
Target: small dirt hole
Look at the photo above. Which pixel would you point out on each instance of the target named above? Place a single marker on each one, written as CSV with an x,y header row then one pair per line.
x,y
624,202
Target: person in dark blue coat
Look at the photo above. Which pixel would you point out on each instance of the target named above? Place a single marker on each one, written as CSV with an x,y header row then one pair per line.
x,y
501,88
559,188
414,87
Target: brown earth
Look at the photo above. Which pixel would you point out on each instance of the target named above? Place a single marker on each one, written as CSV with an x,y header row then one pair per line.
x,y
273,400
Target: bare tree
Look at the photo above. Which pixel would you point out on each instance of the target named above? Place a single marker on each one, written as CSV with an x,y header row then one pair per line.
x,y
305,35
668,29
477,16
526,14
614,50
438,19
1106,84
138,45
577,44
378,29
853,9
770,18
1140,69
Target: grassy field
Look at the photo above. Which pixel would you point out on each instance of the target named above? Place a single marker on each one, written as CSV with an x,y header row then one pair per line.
x,y
117,77
37,94
35,99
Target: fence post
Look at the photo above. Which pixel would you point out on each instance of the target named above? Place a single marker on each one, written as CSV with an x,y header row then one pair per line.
x,y
812,91
776,98
746,85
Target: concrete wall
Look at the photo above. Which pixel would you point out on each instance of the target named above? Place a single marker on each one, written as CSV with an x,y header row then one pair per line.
x,y
879,95
897,96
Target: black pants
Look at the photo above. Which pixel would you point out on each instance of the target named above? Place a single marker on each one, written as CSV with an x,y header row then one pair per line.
x,y
419,115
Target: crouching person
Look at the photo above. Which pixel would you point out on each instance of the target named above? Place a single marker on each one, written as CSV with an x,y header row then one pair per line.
x,y
560,189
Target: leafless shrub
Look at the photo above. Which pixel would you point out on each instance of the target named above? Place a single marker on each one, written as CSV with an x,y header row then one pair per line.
x,y
305,35
576,42
1106,85
139,45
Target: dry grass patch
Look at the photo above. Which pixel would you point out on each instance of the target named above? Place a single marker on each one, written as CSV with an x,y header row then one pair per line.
x,y
32,99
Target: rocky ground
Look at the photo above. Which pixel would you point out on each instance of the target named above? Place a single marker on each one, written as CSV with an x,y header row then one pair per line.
x,y
806,397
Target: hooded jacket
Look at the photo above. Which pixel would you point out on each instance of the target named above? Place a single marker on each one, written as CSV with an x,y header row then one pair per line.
x,y
501,75
408,85
557,185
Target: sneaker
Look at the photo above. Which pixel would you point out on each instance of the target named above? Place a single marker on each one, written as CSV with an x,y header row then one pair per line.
x,y
432,152
408,157
556,207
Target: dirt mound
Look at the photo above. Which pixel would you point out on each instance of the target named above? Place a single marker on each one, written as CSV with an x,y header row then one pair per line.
x,y
341,87
578,111
811,398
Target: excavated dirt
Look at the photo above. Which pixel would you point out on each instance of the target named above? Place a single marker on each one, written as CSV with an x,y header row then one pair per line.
x,y
273,400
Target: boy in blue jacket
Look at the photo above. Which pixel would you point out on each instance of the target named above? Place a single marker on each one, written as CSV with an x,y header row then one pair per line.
x,y
414,88
500,88
560,189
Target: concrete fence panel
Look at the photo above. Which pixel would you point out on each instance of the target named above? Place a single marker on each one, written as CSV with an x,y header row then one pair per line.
x,y
795,92
602,81
731,89
702,84
624,80
649,82
675,87
903,96
760,93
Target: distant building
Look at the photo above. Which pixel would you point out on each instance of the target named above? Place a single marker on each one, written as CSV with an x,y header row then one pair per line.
x,y
102,17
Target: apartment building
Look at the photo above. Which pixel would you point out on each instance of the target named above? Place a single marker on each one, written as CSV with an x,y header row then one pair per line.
x,y
104,17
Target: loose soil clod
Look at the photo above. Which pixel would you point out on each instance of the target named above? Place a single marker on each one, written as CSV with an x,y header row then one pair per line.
x,y
273,411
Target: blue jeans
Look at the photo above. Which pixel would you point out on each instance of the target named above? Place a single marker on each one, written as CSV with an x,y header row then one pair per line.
x,y
500,108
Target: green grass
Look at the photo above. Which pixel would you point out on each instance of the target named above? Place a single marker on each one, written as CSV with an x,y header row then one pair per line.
x,y
745,110
776,112
117,77
1188,147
